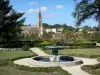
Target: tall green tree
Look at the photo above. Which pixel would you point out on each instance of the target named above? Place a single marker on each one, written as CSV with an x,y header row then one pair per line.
x,y
10,21
86,9
45,25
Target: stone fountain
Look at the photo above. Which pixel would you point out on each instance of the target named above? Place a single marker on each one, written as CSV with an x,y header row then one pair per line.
x,y
55,59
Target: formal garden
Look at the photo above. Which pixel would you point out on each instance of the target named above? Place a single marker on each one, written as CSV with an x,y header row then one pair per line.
x,y
73,43
7,67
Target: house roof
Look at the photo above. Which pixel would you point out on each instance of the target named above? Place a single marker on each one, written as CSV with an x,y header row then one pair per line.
x,y
30,29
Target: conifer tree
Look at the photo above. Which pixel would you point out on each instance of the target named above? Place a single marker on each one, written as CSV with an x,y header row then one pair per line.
x,y
10,22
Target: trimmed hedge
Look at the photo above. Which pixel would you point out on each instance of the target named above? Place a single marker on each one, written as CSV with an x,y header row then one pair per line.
x,y
42,69
78,44
92,69
80,47
18,44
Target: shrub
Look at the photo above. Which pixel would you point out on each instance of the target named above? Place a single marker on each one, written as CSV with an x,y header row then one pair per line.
x,y
45,43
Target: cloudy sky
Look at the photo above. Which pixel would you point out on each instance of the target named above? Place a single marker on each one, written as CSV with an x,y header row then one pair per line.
x,y
53,11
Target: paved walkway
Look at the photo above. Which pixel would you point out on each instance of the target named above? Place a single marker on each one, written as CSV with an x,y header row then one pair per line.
x,y
38,52
74,70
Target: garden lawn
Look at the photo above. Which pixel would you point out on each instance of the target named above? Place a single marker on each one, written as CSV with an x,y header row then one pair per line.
x,y
90,53
12,55
7,67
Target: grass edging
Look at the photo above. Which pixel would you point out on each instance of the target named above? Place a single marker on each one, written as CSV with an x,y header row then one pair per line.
x,y
92,69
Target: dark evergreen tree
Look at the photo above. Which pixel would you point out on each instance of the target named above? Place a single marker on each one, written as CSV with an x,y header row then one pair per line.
x,y
10,21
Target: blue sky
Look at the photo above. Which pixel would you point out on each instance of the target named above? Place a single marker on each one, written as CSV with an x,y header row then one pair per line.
x,y
53,11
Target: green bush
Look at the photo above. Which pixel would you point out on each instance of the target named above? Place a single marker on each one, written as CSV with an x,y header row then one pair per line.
x,y
44,43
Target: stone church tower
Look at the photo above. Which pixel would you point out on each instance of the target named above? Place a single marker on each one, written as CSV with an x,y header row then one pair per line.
x,y
40,27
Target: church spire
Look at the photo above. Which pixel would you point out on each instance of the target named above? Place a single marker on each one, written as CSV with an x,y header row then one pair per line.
x,y
40,27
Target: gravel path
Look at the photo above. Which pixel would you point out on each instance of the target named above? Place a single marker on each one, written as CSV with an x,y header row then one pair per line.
x,y
74,70
38,52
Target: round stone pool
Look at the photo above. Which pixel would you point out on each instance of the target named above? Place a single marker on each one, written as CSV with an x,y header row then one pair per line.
x,y
44,61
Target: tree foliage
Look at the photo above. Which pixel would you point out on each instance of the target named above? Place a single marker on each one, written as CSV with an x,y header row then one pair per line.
x,y
10,21
86,9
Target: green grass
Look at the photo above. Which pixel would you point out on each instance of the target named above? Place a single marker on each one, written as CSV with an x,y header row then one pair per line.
x,y
90,53
7,67
92,69
11,55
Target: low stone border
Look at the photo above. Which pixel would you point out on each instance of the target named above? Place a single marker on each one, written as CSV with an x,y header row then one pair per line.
x,y
54,64
8,49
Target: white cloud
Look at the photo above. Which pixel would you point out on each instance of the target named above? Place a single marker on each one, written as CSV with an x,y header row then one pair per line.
x,y
20,11
31,11
59,7
31,3
52,15
43,9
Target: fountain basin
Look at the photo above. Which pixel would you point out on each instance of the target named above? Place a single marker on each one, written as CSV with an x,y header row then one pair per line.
x,y
44,61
